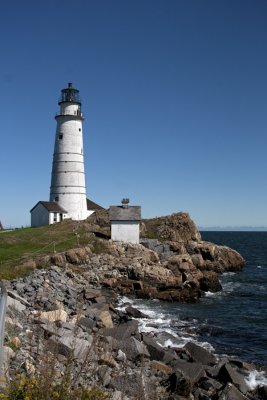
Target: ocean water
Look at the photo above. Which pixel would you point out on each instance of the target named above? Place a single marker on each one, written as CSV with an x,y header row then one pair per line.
x,y
231,322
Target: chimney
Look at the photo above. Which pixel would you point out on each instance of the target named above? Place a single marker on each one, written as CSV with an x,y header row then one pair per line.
x,y
125,202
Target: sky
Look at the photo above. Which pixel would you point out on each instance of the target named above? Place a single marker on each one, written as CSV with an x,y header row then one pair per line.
x,y
174,94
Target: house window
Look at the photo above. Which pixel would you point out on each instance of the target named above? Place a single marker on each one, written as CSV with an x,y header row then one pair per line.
x,y
55,217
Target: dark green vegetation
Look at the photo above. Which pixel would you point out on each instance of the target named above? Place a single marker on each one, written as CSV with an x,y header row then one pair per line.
x,y
29,243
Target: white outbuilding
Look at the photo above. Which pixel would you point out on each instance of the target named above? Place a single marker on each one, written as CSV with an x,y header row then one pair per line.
x,y
125,222
47,213
50,212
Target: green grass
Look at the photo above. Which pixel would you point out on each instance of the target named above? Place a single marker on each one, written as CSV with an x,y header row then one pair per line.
x,y
29,243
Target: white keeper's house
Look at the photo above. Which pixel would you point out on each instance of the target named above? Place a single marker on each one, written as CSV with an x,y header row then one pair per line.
x,y
68,190
125,222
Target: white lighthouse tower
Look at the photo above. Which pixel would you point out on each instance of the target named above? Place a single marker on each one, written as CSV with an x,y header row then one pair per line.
x,y
68,188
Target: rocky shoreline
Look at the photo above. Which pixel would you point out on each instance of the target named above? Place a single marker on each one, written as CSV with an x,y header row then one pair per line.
x,y
174,265
63,319
56,313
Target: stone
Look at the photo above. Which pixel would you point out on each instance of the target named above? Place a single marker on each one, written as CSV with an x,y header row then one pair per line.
x,y
15,296
133,348
53,316
69,345
87,323
122,331
210,282
117,395
201,394
159,366
229,374
108,359
15,305
106,319
155,350
134,312
90,293
29,367
13,323
192,370
200,354
121,356
230,392
15,341
8,354
179,384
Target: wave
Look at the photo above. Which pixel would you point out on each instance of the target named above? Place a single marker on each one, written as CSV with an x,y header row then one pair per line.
x,y
256,378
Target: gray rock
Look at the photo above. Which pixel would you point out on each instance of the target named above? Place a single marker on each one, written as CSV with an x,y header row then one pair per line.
x,y
87,323
229,374
133,348
192,370
134,312
15,305
15,295
200,354
230,392
122,331
69,345
90,294
179,384
156,351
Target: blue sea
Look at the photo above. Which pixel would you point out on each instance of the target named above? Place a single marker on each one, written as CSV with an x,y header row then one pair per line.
x,y
232,322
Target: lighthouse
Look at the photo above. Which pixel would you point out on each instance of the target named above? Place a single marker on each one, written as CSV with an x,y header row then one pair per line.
x,y
68,178
68,188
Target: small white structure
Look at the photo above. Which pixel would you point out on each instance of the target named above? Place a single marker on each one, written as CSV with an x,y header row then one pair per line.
x,y
50,212
125,221
67,190
46,213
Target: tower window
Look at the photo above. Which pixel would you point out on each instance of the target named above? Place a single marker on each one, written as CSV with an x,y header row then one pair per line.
x,y
79,129
56,198
60,136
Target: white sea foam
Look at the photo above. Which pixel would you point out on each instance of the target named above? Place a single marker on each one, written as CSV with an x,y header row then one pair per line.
x,y
256,378
153,325
230,286
168,343
211,294
228,273
123,302
259,266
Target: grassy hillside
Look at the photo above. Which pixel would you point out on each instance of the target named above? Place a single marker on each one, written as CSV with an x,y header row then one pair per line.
x,y
32,242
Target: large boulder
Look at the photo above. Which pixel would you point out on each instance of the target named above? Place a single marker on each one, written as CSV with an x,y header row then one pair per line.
x,y
177,227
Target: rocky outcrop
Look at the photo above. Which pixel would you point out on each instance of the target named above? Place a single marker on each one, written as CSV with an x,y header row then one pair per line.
x,y
59,321
175,266
177,228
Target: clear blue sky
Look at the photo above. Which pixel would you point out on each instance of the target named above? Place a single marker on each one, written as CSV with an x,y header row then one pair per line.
x,y
174,94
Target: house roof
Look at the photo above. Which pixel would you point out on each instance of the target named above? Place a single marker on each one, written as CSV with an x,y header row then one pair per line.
x,y
51,206
120,213
93,206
